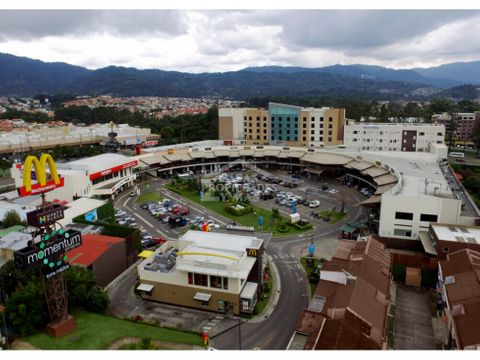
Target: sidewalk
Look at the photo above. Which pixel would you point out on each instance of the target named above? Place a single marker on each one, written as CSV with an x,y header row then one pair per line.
x,y
274,295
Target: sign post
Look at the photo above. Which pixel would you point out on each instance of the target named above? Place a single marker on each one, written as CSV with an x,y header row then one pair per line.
x,y
46,252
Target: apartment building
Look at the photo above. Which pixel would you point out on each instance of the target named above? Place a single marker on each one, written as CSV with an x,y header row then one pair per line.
x,y
393,136
464,124
282,124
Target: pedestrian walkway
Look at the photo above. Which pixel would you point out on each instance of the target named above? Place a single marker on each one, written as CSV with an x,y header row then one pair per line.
x,y
413,319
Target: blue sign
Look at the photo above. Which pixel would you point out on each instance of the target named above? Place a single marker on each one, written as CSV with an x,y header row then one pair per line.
x,y
311,249
293,207
201,195
91,216
260,221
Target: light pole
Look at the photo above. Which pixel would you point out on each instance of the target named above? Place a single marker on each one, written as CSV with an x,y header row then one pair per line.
x,y
239,324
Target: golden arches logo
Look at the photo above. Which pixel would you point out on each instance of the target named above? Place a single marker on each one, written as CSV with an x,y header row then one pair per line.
x,y
40,167
252,252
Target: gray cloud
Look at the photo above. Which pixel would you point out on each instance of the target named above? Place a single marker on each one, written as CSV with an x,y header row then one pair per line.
x,y
33,24
363,29
222,40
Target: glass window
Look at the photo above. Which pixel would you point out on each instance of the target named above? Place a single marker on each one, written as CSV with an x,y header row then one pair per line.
x,y
200,279
428,217
190,278
216,281
403,215
225,283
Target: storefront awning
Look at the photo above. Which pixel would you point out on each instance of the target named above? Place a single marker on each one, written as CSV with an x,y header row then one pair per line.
x,y
427,243
249,290
145,287
202,296
314,171
145,254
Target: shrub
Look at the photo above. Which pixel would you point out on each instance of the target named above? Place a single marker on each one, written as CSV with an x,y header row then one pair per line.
x,y
282,228
98,301
300,226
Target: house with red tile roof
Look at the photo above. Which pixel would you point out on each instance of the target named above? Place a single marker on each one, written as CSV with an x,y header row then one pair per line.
x,y
105,255
349,308
459,286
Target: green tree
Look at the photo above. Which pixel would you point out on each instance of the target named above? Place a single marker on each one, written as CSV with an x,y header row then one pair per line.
x,y
11,277
12,218
98,301
472,183
476,135
80,283
26,308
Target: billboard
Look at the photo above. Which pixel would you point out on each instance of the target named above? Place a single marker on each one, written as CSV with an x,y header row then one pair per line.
x,y
40,166
115,169
45,216
50,251
91,216
150,143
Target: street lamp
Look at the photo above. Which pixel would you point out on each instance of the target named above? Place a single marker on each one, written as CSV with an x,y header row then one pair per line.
x,y
239,324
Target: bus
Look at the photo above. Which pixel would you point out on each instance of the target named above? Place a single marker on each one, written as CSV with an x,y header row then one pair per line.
x,y
458,155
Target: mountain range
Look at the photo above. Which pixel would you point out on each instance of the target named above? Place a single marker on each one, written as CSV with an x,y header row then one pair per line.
x,y
21,76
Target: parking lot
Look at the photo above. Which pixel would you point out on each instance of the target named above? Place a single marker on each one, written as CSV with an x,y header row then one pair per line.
x,y
158,221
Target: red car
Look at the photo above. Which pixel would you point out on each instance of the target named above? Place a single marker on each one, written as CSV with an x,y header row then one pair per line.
x,y
159,240
181,210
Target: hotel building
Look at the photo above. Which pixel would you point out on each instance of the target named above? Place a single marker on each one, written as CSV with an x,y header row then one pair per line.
x,y
282,124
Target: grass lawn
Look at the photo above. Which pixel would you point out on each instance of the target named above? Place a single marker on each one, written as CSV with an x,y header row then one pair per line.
x,y
149,196
264,299
335,216
250,219
390,323
97,332
308,271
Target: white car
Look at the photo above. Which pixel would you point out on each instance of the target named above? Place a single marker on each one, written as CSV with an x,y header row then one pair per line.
x,y
314,204
333,191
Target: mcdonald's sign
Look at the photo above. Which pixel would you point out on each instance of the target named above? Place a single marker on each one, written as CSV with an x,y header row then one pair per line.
x,y
40,166
252,252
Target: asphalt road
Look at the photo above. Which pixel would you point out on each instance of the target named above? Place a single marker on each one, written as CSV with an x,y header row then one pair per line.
x,y
276,329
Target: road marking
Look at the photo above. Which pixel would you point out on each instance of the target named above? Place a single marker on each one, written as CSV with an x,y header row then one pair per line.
x,y
207,328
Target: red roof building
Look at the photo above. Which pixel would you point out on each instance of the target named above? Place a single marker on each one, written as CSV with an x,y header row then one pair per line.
x,y
349,308
459,282
105,255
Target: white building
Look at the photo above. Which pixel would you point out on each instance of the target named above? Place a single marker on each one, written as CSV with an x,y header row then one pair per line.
x,y
40,136
393,137
212,271
103,175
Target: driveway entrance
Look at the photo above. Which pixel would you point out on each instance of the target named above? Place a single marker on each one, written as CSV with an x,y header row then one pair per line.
x,y
413,319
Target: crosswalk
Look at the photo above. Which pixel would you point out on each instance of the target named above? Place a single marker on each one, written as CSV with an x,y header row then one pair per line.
x,y
212,323
282,256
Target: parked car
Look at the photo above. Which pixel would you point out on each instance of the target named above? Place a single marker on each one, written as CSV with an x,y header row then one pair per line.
x,y
177,221
314,204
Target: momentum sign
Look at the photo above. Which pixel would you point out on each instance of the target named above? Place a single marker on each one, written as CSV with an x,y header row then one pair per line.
x,y
49,253
40,166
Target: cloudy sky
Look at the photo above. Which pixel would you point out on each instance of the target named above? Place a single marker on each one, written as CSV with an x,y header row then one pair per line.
x,y
215,40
